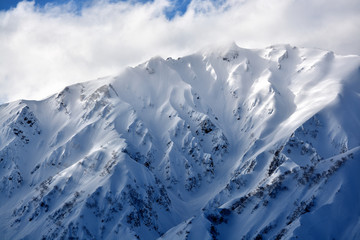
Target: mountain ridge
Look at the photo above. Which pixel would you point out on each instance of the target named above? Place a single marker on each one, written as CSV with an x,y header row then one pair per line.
x,y
211,145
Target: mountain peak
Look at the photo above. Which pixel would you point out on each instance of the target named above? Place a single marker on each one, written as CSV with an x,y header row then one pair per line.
x,y
190,148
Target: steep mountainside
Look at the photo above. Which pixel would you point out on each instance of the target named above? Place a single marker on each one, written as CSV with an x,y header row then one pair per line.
x,y
222,144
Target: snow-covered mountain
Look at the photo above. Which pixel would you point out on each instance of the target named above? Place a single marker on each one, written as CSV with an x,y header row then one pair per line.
x,y
223,144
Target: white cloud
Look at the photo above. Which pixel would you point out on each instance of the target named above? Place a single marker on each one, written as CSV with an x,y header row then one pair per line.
x,y
44,49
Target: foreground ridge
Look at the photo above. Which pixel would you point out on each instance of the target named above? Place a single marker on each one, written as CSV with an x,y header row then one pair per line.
x,y
222,144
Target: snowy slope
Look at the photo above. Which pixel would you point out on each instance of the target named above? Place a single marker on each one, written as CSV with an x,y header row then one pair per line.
x,y
223,144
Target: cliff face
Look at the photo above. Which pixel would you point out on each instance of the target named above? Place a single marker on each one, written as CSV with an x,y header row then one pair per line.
x,y
224,144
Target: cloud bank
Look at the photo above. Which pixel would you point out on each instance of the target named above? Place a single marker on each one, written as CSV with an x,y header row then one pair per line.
x,y
44,49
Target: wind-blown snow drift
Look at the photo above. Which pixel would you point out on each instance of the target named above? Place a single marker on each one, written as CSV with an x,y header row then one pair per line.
x,y
225,144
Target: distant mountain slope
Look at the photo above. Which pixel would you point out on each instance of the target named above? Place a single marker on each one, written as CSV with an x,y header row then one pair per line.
x,y
223,144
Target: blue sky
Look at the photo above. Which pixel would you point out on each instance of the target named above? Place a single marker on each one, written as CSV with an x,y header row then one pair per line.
x,y
179,6
44,49
7,4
